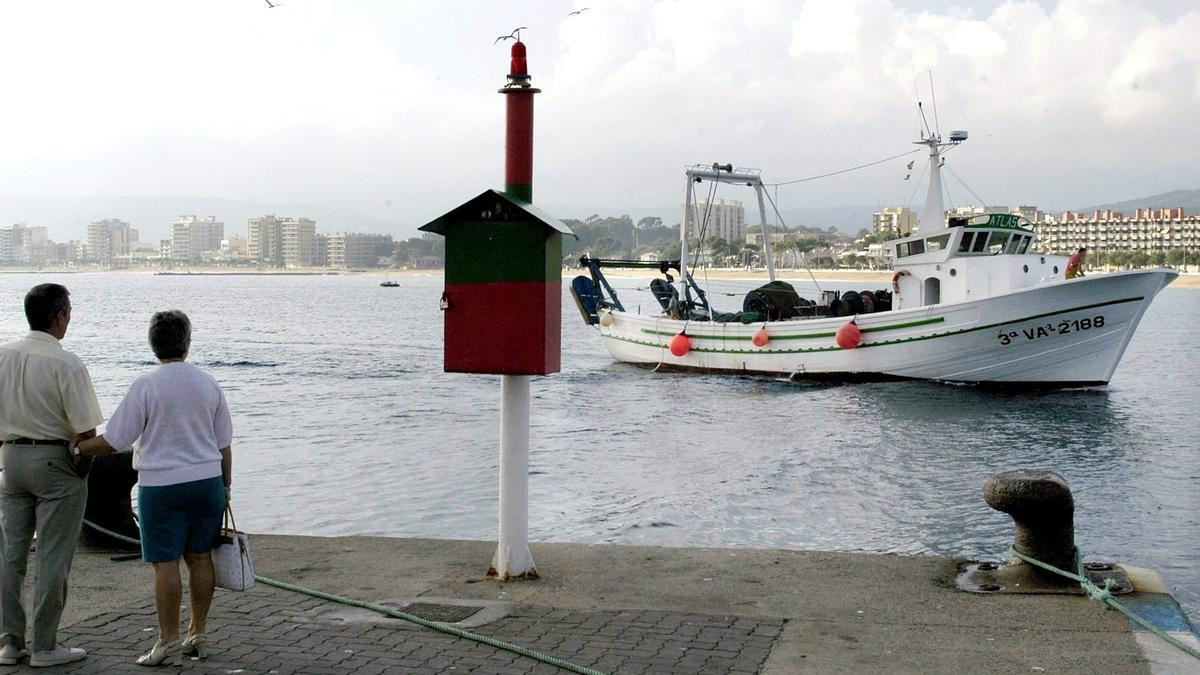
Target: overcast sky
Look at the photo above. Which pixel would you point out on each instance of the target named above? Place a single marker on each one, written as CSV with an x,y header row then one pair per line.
x,y
390,108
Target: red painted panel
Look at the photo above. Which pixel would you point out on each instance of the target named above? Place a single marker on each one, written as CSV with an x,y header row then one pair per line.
x,y
518,141
504,327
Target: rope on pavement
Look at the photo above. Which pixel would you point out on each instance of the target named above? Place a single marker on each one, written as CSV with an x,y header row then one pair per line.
x,y
395,613
1103,594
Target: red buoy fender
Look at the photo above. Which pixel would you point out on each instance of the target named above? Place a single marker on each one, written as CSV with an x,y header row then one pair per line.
x,y
761,337
680,344
849,336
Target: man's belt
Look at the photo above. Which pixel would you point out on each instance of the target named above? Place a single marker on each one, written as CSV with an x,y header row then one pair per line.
x,y
37,441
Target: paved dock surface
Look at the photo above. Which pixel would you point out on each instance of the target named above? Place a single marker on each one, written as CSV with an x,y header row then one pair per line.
x,y
620,609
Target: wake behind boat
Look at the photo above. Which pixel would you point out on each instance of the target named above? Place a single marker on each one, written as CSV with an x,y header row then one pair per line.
x,y
970,302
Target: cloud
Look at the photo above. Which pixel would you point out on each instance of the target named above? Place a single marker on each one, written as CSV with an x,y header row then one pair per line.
x,y
355,105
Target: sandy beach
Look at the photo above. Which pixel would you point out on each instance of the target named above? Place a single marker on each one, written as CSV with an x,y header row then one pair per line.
x,y
1185,280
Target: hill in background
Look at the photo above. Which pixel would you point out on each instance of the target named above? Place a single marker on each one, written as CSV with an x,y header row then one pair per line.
x,y
1188,199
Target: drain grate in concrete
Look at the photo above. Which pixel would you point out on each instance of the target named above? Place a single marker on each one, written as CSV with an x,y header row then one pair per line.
x,y
435,612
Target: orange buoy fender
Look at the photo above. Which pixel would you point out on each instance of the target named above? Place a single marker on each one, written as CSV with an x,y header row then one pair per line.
x,y
849,336
680,344
760,337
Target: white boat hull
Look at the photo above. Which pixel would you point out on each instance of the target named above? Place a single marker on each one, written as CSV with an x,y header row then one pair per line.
x,y
1061,333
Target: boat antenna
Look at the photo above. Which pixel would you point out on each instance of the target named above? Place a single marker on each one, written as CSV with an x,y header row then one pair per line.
x,y
921,109
933,94
917,96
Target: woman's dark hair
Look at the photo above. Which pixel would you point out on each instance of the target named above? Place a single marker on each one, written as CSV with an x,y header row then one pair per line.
x,y
170,334
43,303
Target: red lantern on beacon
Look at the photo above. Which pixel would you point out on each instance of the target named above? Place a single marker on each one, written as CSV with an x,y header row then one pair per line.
x,y
849,335
680,344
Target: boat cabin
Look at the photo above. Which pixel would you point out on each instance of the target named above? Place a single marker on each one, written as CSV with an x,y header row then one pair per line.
x,y
971,257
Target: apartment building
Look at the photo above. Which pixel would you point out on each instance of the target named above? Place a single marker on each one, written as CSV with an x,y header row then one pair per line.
x,y
23,244
298,235
264,240
191,237
352,250
1149,230
108,239
282,242
894,222
725,218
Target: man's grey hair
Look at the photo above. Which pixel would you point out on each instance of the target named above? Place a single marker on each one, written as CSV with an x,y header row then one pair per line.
x,y
170,334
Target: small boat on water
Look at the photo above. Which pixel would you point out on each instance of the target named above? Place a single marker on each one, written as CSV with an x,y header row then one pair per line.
x,y
970,301
388,283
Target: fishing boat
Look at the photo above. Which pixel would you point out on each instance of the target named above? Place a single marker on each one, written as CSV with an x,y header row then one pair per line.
x,y
387,283
970,301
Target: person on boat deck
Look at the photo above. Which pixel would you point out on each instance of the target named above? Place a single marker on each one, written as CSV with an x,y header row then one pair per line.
x,y
1076,262
178,415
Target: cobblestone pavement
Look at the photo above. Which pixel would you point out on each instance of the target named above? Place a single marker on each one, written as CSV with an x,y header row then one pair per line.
x,y
267,630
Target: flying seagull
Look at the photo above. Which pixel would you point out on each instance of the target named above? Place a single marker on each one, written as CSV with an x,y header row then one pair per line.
x,y
270,5
515,35
581,10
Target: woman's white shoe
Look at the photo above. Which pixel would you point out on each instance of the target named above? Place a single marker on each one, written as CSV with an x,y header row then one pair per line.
x,y
196,646
159,654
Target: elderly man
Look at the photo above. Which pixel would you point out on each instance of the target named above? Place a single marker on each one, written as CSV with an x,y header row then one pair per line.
x,y
46,400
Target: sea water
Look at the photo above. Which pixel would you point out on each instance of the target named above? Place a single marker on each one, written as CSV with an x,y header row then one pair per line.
x,y
345,424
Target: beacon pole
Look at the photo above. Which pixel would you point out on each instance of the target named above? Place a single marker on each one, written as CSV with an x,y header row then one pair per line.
x,y
513,559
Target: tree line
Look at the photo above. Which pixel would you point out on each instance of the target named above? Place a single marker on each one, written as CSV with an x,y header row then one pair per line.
x,y
623,237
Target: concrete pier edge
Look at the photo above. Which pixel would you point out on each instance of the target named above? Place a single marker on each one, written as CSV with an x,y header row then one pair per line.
x,y
624,608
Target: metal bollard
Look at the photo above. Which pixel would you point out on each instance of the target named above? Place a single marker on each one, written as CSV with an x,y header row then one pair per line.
x,y
1043,512
108,504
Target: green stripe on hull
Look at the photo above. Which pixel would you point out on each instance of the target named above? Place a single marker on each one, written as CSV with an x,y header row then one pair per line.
x,y
917,338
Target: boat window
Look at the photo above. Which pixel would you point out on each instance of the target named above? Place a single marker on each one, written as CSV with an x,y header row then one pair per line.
x,y
1013,244
980,242
964,246
916,247
996,242
937,243
1024,244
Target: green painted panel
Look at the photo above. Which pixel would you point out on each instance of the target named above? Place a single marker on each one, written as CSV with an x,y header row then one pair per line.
x,y
483,251
519,191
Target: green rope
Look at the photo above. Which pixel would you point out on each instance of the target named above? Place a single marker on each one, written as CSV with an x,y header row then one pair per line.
x,y
1104,594
413,618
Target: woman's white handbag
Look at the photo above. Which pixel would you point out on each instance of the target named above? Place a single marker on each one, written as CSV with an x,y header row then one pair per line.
x,y
231,557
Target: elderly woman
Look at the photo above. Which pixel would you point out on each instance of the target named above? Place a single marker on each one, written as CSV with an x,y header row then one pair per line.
x,y
179,417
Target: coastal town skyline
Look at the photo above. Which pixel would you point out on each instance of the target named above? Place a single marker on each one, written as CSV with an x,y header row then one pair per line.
x,y
350,108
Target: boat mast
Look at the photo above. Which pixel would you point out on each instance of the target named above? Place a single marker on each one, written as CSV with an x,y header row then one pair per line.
x,y
762,218
934,215
684,228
